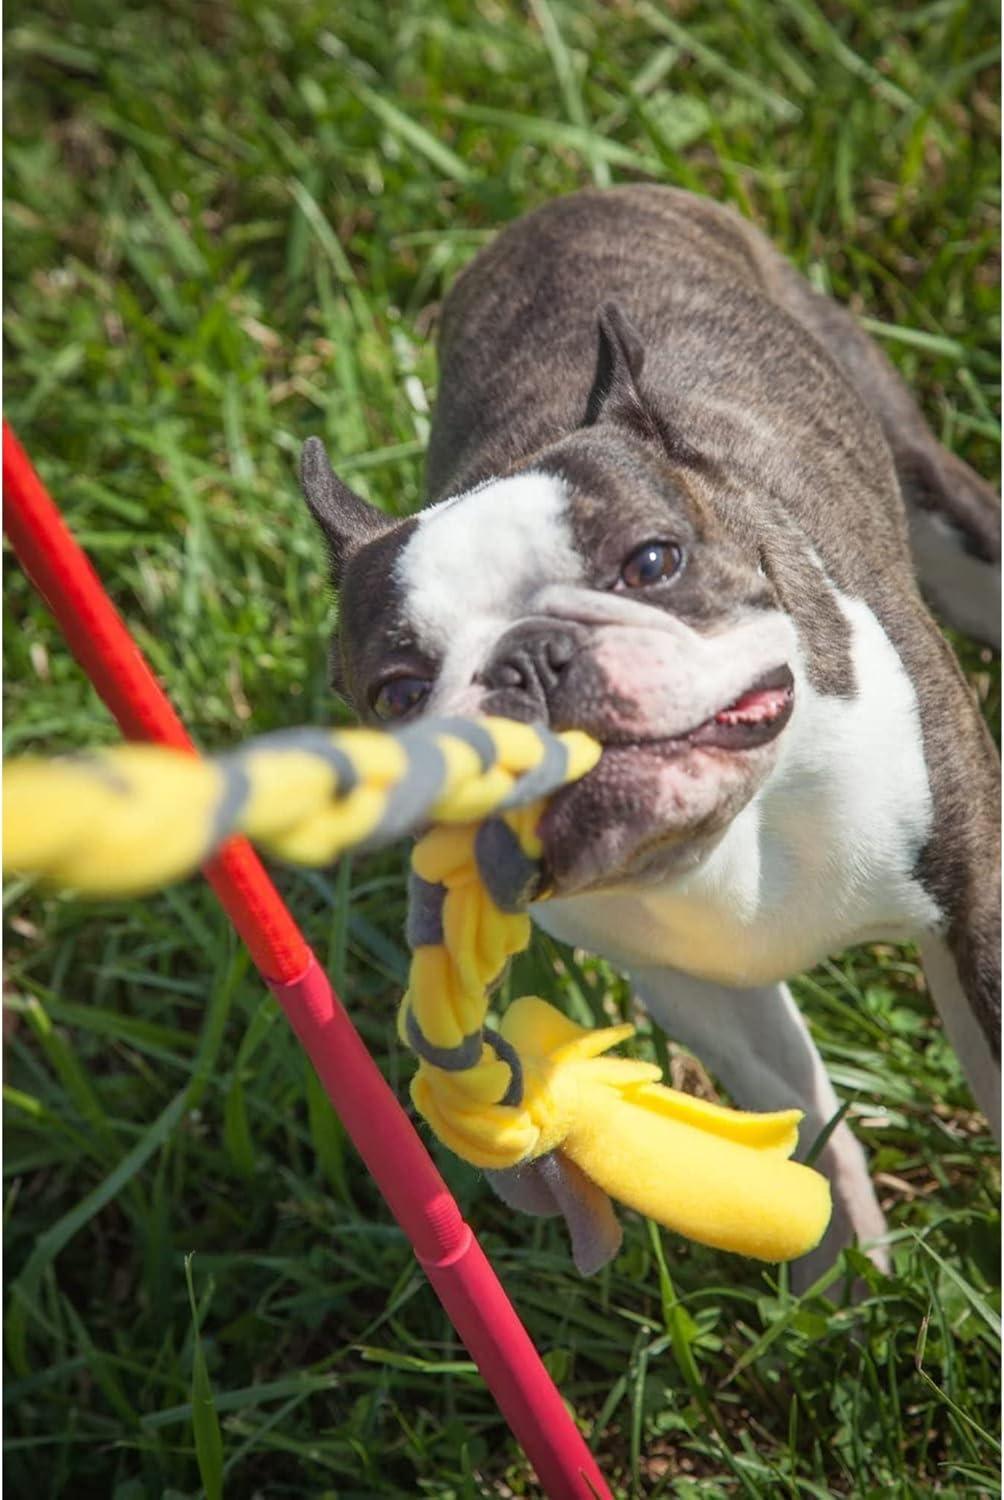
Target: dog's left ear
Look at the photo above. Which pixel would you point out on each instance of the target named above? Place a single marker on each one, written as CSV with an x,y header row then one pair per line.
x,y
619,361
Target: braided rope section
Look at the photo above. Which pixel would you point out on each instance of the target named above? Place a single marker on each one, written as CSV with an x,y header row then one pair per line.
x,y
470,888
127,820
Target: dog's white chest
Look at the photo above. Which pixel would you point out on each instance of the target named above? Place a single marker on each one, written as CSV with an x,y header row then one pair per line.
x,y
821,858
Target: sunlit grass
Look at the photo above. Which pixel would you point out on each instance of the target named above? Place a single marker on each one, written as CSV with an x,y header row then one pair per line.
x,y
229,226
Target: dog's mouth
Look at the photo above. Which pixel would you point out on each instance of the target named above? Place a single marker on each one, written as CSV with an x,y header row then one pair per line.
x,y
649,799
754,718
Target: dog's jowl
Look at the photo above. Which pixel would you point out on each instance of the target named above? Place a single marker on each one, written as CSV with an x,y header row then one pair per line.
x,y
681,501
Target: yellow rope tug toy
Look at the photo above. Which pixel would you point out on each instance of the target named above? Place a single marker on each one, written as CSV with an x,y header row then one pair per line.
x,y
558,1127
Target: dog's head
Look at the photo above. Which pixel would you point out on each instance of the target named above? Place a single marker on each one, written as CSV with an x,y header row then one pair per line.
x,y
593,587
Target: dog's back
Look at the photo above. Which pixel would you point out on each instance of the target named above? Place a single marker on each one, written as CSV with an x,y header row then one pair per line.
x,y
775,383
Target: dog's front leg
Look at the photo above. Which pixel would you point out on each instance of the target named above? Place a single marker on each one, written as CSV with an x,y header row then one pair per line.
x,y
757,1043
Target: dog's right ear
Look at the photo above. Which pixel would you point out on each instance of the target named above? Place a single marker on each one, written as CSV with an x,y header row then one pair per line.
x,y
347,521
620,357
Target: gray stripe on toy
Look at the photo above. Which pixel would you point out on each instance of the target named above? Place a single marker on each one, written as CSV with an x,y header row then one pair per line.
x,y
511,878
474,735
236,786
466,1054
410,799
317,742
424,925
545,777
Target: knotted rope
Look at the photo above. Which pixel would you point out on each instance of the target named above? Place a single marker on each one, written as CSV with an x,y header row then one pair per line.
x,y
557,1126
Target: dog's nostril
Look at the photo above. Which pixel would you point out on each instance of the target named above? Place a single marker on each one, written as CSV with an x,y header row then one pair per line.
x,y
532,666
559,651
507,674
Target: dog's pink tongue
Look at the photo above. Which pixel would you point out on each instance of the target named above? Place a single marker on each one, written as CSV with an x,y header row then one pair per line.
x,y
758,706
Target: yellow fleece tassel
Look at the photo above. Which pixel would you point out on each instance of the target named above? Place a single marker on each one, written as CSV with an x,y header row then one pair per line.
x,y
719,1176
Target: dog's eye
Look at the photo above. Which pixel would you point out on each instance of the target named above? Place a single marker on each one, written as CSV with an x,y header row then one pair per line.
x,y
652,562
399,696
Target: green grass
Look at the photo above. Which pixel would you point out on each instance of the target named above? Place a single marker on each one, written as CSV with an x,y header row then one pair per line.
x,y
229,226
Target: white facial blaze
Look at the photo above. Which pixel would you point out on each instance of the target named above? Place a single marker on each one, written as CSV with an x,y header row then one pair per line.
x,y
477,564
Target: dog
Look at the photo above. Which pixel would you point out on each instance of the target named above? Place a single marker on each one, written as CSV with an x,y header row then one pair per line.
x,y
681,501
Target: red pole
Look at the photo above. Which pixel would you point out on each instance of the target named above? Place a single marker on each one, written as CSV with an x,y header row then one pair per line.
x,y
381,1131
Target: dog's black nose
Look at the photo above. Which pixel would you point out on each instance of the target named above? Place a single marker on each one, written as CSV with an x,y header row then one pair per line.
x,y
526,670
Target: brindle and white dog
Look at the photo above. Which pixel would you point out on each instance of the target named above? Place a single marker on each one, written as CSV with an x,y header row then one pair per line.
x,y
683,502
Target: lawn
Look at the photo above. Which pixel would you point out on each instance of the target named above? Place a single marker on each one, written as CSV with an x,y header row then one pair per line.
x,y
229,225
